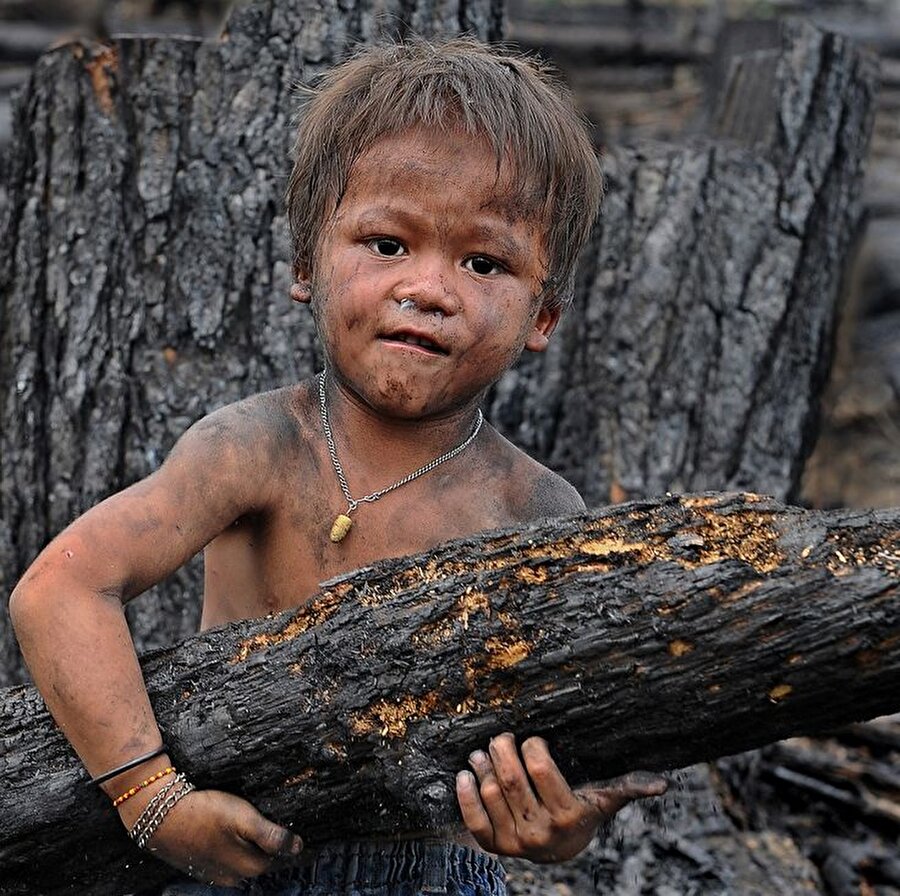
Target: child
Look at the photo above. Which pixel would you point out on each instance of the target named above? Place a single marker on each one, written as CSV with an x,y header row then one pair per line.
x,y
438,203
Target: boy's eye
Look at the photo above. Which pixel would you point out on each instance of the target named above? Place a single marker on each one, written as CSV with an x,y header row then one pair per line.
x,y
389,248
481,264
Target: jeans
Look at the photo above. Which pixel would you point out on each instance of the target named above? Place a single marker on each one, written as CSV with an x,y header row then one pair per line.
x,y
368,868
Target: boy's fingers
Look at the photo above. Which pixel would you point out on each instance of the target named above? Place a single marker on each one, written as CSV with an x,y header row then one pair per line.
x,y
482,766
271,838
513,779
552,788
473,812
492,797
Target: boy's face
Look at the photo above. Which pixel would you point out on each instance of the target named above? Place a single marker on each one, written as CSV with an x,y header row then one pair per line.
x,y
428,277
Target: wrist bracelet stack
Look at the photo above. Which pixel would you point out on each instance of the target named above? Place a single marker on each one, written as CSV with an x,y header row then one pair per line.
x,y
159,807
162,802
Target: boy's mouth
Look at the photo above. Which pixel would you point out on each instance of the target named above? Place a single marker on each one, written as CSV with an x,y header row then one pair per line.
x,y
418,340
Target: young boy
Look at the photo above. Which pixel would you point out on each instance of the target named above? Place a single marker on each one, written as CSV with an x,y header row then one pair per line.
x,y
438,203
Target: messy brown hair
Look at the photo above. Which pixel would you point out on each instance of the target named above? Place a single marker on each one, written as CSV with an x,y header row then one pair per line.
x,y
516,104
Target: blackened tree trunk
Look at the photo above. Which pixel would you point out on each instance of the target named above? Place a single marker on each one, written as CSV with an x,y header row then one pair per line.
x,y
651,635
700,337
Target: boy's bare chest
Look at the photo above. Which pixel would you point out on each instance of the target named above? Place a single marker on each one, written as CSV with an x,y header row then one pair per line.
x,y
277,560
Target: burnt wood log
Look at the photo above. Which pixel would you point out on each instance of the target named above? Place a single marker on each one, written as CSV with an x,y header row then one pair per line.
x,y
649,635
867,789
144,277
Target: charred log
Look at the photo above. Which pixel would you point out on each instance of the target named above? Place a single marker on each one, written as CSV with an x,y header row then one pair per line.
x,y
650,635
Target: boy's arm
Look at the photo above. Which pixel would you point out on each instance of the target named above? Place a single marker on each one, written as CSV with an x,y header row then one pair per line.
x,y
68,615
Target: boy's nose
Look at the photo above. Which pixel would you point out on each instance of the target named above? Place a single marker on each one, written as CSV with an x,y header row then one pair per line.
x,y
428,287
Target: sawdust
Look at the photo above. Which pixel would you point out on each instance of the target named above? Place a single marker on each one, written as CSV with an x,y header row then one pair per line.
x,y
390,718
678,647
846,556
749,537
505,654
780,692
441,630
299,778
314,613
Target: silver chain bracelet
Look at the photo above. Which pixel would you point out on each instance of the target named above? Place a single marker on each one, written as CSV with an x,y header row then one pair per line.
x,y
158,808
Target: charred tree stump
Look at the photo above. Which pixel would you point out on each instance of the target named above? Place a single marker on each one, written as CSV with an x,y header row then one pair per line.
x,y
144,277
649,635
700,337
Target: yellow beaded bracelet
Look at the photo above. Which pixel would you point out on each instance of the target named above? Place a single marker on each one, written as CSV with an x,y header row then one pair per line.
x,y
137,787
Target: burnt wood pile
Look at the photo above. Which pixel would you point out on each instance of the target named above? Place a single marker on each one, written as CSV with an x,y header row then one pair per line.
x,y
839,796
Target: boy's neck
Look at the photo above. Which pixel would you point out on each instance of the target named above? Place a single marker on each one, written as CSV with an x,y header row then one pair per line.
x,y
370,443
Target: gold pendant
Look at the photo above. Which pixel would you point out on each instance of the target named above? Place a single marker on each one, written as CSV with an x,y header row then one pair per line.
x,y
341,527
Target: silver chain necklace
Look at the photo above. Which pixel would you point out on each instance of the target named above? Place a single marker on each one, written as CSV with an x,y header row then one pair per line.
x,y
342,522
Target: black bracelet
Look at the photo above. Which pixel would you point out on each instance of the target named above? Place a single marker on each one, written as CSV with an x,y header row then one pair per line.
x,y
134,763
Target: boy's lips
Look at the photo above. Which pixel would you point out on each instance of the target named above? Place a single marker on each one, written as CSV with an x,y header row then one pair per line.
x,y
419,339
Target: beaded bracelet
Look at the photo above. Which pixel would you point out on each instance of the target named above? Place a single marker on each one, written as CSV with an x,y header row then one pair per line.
x,y
138,787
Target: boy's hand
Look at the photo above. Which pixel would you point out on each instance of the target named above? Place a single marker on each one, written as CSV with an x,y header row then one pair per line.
x,y
219,838
529,810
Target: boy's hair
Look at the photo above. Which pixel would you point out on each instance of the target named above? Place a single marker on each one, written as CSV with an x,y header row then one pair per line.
x,y
516,104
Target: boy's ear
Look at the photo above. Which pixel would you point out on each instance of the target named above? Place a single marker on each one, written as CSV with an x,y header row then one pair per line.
x,y
544,325
301,288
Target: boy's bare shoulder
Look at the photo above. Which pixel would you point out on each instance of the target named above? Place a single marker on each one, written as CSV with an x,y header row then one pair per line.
x,y
277,417
277,411
533,492
552,495
251,438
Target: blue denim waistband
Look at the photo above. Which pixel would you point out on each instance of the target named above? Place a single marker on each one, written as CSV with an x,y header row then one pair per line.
x,y
402,867
427,864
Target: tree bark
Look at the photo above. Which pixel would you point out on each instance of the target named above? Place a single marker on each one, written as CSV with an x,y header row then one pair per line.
x,y
650,635
144,278
700,337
